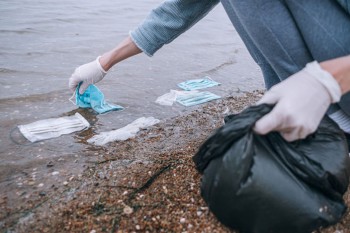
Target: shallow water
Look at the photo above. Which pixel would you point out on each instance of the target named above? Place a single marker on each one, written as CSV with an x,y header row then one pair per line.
x,y
41,42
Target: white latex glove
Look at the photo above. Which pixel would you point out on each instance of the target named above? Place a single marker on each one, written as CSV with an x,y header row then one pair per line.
x,y
300,103
89,73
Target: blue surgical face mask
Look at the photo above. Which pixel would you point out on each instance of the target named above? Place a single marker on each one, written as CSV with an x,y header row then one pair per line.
x,y
196,84
196,98
94,98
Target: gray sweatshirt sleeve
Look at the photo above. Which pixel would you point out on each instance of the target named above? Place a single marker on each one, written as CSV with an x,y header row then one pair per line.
x,y
345,4
168,21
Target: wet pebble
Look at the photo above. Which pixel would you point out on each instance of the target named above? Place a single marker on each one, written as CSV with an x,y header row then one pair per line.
x,y
50,164
128,210
42,194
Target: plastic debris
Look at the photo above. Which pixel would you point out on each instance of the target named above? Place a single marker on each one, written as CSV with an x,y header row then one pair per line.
x,y
124,133
93,98
196,98
53,127
168,99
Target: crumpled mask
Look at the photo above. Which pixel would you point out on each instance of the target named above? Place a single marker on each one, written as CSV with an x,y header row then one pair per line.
x,y
196,84
94,98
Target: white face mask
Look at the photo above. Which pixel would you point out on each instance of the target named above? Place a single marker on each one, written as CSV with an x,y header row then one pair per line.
x,y
53,127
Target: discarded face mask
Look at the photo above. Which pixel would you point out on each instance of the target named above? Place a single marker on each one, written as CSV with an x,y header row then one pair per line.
x,y
124,133
196,98
169,98
93,98
53,127
196,84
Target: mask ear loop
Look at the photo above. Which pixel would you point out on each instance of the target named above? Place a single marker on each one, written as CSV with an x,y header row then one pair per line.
x,y
71,99
14,141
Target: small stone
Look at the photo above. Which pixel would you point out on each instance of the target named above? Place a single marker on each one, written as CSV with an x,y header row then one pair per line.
x,y
55,173
31,183
137,227
42,194
65,183
199,213
128,210
182,220
40,185
50,164
92,231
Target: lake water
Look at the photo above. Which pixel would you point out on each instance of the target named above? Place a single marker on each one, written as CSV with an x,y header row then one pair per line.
x,y
41,43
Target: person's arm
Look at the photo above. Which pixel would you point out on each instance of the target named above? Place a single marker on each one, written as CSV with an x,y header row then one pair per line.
x,y
168,21
302,100
161,26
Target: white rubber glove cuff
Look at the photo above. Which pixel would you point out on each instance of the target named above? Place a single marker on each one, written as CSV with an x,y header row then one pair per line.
x,y
326,79
99,65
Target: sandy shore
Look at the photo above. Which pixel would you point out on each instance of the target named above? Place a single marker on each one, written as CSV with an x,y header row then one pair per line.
x,y
145,184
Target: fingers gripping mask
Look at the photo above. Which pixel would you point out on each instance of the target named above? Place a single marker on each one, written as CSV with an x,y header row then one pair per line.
x,y
94,98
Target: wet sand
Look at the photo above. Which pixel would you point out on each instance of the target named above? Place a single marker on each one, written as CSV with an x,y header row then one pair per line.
x,y
145,184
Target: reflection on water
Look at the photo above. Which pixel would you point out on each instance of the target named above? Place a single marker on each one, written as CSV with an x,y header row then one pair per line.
x,y
41,42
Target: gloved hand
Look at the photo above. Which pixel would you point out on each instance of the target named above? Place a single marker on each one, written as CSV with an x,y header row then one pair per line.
x,y
300,103
89,73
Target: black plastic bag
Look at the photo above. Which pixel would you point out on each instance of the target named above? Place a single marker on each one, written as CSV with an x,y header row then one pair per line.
x,y
254,183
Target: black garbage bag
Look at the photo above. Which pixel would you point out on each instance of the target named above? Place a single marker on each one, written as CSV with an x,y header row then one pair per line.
x,y
257,184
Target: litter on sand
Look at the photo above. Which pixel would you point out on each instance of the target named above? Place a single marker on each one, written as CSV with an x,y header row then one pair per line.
x,y
168,99
196,84
53,127
186,98
93,98
196,98
122,134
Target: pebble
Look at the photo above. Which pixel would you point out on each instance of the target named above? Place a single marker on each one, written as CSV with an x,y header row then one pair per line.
x,y
55,173
128,210
42,194
40,185
65,183
92,231
199,213
137,227
50,164
182,220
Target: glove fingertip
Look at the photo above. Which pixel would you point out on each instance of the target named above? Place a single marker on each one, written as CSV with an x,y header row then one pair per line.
x,y
260,128
268,98
290,136
82,89
266,124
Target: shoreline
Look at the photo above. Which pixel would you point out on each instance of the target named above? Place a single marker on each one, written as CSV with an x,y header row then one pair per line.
x,y
147,183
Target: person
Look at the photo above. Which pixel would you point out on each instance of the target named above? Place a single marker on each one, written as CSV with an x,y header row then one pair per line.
x,y
302,48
